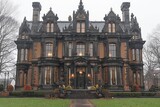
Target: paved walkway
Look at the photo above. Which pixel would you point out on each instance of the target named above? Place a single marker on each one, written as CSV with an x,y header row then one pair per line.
x,y
81,103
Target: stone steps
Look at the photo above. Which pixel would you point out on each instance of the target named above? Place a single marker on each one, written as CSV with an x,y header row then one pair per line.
x,y
81,94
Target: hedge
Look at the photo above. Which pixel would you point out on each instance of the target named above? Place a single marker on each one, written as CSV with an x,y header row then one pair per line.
x,y
132,94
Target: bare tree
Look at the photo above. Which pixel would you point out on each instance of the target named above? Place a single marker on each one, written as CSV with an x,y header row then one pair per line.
x,y
8,30
151,54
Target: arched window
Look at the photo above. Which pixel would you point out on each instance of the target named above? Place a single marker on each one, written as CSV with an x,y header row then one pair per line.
x,y
50,27
80,49
49,50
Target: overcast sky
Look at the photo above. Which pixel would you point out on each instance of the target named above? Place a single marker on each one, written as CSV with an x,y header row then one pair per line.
x,y
146,11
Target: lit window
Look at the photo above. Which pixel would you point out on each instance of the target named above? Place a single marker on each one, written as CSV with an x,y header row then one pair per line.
x,y
49,50
47,75
91,49
80,27
50,27
80,49
112,50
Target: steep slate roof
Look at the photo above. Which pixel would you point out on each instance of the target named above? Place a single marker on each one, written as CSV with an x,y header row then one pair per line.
x,y
63,24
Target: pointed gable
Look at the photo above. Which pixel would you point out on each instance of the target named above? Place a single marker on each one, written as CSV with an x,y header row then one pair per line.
x,y
50,16
80,19
112,23
50,22
24,27
134,24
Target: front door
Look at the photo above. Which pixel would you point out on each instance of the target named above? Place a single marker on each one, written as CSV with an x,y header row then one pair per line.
x,y
80,80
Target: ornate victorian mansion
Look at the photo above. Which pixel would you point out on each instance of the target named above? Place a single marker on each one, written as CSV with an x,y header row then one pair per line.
x,y
79,52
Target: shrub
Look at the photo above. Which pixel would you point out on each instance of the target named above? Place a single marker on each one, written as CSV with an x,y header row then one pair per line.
x,y
28,93
27,87
16,94
68,87
1,87
10,88
93,88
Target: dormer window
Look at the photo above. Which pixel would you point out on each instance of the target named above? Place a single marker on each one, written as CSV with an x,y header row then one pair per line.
x,y
111,27
135,36
80,27
50,27
24,36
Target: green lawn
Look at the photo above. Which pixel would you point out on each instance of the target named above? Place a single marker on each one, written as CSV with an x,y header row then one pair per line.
x,y
127,102
33,102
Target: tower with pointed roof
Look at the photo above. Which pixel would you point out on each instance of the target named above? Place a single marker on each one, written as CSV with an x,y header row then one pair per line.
x,y
80,53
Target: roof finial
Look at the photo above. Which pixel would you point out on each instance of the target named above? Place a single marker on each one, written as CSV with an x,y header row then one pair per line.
x,y
81,5
50,8
111,9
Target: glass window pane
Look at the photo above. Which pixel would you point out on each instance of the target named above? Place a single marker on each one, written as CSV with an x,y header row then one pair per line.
x,y
22,55
49,50
78,27
91,49
83,27
113,76
48,27
26,55
137,55
47,75
80,49
112,50
109,28
70,49
113,27
133,54
52,27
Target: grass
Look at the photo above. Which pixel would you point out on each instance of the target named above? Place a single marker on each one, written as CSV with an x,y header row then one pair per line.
x,y
127,102
33,102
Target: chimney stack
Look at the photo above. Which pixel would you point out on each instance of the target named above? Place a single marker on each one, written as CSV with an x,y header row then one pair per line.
x,y
125,12
36,11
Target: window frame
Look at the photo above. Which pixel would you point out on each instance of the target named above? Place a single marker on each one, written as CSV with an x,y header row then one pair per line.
x,y
80,27
90,49
80,49
49,49
112,50
50,27
111,27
